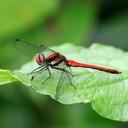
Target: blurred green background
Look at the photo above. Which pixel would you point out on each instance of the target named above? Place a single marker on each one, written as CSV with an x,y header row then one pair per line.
x,y
55,22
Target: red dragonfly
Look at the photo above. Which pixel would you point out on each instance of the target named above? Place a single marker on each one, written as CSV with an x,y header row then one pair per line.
x,y
54,60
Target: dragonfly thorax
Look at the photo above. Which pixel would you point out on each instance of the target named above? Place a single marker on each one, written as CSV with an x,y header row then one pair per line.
x,y
55,59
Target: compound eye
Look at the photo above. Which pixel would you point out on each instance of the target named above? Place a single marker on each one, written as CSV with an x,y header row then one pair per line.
x,y
40,59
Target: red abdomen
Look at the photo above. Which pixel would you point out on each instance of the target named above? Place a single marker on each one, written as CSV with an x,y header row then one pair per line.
x,y
77,64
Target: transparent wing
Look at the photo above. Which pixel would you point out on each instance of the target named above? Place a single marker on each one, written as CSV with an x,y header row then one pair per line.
x,y
43,47
64,83
26,48
31,50
59,85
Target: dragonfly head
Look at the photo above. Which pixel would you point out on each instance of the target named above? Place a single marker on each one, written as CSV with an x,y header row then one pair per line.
x,y
40,59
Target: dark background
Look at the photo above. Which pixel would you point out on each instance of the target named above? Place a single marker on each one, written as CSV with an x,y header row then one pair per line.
x,y
81,22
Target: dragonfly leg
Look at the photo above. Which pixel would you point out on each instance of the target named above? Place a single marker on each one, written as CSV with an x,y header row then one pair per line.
x,y
63,69
38,71
70,72
67,73
48,76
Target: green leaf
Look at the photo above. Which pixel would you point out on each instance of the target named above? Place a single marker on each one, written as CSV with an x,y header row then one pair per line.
x,y
6,77
107,93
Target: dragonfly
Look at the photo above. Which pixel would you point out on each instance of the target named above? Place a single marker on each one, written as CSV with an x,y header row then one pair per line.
x,y
55,60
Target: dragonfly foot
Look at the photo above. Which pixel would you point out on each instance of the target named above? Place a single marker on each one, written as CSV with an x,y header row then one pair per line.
x,y
32,78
